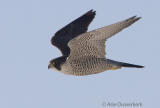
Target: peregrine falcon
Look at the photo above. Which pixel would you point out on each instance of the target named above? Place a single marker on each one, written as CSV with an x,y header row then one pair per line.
x,y
83,53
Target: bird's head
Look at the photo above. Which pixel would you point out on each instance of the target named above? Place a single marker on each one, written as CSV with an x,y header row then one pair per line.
x,y
56,63
52,64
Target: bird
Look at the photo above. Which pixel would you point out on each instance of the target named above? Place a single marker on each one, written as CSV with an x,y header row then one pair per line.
x,y
83,53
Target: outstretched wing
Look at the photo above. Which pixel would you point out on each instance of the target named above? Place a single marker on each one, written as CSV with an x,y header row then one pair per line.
x,y
93,43
73,29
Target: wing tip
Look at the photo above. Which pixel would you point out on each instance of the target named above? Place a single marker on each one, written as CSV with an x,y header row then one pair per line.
x,y
134,18
91,12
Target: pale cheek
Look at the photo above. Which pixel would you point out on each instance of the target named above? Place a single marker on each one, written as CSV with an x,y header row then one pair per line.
x,y
54,69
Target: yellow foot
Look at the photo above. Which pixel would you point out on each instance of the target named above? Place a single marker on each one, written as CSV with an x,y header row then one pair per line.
x,y
115,67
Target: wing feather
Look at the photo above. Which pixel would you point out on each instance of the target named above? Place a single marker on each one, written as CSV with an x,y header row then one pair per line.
x,y
93,43
73,29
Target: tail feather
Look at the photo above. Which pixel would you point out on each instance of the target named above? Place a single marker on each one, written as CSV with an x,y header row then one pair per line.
x,y
131,65
124,64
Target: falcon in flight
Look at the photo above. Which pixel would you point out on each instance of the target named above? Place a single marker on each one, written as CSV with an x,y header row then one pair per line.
x,y
83,53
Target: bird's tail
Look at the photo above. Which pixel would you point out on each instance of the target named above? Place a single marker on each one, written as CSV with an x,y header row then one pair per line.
x,y
121,64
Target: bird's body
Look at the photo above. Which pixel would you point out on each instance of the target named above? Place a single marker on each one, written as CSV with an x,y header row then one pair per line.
x,y
84,52
86,66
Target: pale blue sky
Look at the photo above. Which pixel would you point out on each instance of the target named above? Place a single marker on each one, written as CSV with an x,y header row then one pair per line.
x,y
26,27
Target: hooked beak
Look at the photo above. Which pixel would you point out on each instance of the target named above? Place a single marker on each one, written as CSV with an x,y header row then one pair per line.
x,y
49,66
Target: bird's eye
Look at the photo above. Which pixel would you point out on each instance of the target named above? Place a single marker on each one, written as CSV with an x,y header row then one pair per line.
x,y
53,63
